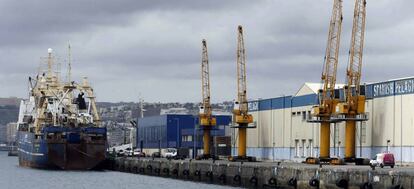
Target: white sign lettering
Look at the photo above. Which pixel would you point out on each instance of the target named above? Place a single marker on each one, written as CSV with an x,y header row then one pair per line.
x,y
404,87
384,89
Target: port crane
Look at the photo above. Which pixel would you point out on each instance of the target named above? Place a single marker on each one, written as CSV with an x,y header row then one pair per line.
x,y
353,107
207,121
327,99
241,117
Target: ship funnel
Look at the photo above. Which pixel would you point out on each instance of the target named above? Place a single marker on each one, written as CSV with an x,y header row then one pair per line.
x,y
49,50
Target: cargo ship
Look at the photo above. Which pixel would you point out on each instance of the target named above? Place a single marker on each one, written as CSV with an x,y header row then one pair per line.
x,y
59,124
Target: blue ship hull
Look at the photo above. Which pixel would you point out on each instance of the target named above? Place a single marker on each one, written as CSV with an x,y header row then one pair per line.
x,y
62,148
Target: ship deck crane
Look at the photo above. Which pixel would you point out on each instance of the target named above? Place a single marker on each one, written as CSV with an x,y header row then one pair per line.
x,y
353,108
207,121
241,117
327,99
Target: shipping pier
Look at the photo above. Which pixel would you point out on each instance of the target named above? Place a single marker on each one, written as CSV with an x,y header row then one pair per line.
x,y
269,174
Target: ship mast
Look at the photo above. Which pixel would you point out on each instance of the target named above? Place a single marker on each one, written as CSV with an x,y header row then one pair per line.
x,y
69,63
49,63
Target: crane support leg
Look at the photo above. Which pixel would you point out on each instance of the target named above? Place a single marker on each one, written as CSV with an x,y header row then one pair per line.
x,y
350,140
325,141
206,143
242,142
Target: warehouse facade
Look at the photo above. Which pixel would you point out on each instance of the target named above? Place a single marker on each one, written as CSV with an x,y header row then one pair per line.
x,y
175,131
283,133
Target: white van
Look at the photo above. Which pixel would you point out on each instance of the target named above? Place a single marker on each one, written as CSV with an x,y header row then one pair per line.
x,y
170,152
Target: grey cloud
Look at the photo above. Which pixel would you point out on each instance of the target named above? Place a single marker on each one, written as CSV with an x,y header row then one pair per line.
x,y
154,47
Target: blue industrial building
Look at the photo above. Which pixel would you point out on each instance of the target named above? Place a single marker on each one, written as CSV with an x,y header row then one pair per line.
x,y
175,130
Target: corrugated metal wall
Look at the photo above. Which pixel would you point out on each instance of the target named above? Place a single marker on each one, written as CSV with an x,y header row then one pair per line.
x,y
167,131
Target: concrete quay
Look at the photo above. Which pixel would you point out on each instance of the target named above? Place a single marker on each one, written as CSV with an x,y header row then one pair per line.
x,y
270,174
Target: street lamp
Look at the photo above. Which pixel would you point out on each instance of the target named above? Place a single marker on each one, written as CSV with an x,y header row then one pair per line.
x,y
388,145
273,151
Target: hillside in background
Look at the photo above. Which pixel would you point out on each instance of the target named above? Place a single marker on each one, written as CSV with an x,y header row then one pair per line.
x,y
12,101
118,112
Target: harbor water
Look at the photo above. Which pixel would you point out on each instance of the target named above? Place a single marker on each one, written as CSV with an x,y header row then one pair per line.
x,y
13,176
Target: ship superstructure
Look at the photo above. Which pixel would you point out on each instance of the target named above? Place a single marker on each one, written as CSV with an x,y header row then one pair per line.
x,y
59,125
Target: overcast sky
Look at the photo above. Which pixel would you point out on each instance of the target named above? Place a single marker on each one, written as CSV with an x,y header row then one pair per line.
x,y
153,47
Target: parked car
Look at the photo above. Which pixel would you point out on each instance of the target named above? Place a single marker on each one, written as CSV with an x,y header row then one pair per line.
x,y
182,153
128,152
138,153
120,153
170,152
383,159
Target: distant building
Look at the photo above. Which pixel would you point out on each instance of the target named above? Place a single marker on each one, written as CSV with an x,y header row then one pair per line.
x,y
115,137
3,134
173,131
11,133
221,112
120,133
180,111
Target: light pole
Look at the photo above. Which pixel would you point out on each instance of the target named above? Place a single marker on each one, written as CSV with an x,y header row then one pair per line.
x,y
360,139
273,151
339,148
388,146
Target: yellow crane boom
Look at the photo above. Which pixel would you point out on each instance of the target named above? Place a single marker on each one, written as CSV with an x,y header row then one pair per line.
x,y
354,104
331,57
327,99
356,51
206,118
241,116
241,73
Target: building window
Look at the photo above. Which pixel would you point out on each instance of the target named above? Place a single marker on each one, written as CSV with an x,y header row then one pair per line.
x,y
304,116
187,138
309,115
298,113
293,113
